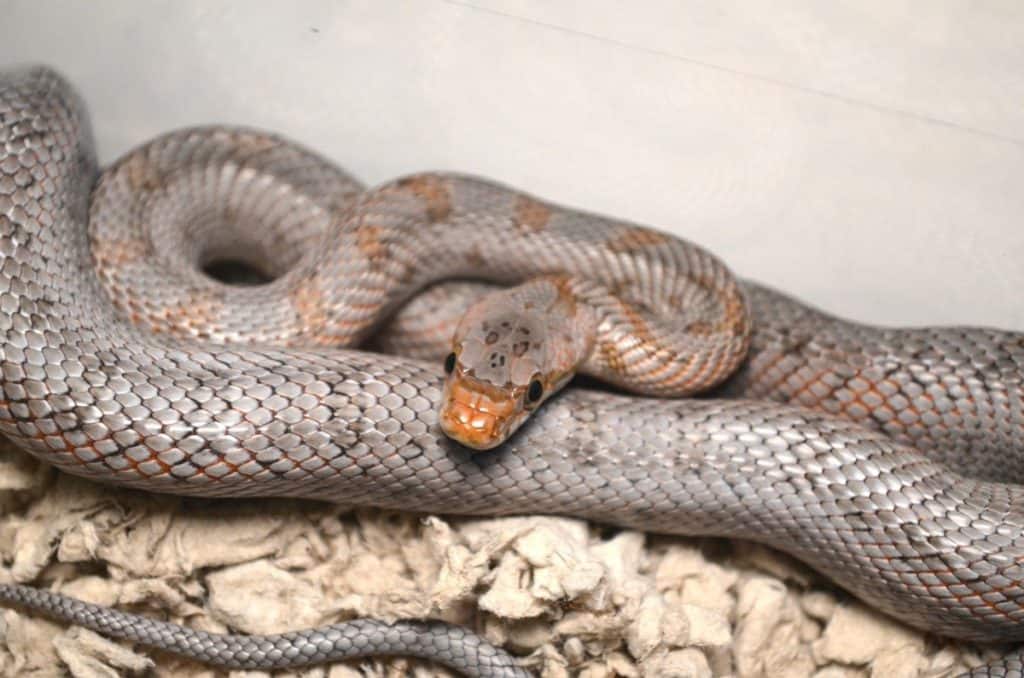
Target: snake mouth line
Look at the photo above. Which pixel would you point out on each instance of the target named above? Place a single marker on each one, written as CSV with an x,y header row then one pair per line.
x,y
475,414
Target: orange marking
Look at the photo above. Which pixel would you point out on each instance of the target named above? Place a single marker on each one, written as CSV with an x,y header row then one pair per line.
x,y
771,364
370,242
192,317
254,143
143,175
735,320
808,383
611,357
566,294
641,330
431,190
314,313
633,238
667,375
531,216
112,254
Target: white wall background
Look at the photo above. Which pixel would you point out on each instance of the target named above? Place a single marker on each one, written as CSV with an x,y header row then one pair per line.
x,y
866,155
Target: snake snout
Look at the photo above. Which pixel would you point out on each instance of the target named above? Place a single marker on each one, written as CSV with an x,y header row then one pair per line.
x,y
475,415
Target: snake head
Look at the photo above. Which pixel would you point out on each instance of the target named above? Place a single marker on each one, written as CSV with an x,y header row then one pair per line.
x,y
511,351
490,391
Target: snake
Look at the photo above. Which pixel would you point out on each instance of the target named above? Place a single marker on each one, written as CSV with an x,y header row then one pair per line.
x,y
615,301
886,458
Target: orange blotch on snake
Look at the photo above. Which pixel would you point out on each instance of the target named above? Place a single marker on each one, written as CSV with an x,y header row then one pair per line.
x,y
633,238
612,357
531,215
315,316
254,142
192,317
370,241
433,192
110,254
143,175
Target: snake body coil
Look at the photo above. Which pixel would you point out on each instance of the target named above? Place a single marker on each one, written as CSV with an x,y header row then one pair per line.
x,y
846,487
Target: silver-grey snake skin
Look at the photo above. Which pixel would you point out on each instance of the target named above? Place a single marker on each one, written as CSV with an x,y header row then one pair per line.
x,y
852,477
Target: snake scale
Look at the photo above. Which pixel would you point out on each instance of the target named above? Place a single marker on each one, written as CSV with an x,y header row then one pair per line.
x,y
834,441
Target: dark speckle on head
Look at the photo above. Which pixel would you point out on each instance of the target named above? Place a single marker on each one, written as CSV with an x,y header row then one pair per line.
x,y
520,347
491,338
506,324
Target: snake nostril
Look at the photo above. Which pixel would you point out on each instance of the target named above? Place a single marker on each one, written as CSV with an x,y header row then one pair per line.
x,y
236,272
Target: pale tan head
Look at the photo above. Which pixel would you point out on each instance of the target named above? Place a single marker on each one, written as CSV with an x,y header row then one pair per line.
x,y
511,351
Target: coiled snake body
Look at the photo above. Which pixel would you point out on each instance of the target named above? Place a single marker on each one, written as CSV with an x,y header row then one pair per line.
x,y
858,486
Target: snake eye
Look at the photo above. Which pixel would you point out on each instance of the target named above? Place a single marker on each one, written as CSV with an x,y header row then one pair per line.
x,y
535,391
449,363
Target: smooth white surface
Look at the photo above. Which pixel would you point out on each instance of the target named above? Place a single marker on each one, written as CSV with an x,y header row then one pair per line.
x,y
865,155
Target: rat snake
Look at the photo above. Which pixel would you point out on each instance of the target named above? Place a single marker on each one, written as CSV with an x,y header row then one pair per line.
x,y
834,441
